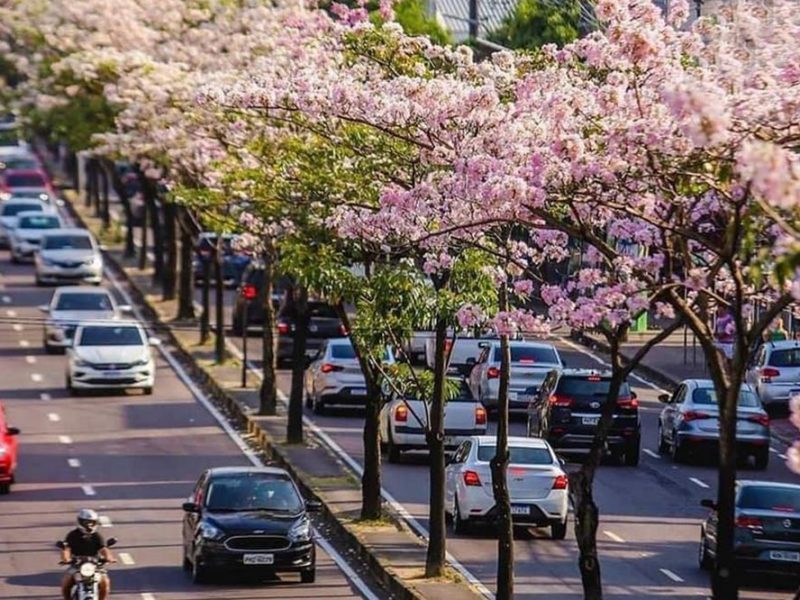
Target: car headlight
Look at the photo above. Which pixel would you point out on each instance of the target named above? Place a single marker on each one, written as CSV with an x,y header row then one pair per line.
x,y
209,532
46,261
79,362
93,261
88,570
142,362
301,531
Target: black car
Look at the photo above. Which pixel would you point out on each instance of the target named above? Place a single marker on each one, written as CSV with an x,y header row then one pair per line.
x,y
767,536
566,409
250,293
233,262
323,324
250,519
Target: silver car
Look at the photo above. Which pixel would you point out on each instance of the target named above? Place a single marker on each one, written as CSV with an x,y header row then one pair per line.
x,y
69,255
71,305
335,377
9,214
27,235
689,423
530,363
775,372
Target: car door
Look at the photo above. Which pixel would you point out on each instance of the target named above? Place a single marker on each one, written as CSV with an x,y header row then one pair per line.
x,y
451,472
190,519
671,411
314,369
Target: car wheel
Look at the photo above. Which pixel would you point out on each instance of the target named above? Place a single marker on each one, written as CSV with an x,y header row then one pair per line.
x,y
14,259
50,349
39,282
678,450
148,391
308,575
460,526
558,530
72,390
199,573
5,488
663,446
318,406
187,564
703,559
632,454
393,453
761,457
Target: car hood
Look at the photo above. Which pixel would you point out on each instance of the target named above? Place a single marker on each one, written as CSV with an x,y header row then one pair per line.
x,y
9,222
30,234
67,255
76,316
112,354
249,522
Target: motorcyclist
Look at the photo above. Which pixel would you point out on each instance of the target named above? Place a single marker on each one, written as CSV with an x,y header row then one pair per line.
x,y
85,540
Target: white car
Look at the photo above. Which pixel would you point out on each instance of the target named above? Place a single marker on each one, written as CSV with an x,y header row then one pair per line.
x,y
69,255
775,372
69,306
26,237
403,422
111,356
9,213
335,377
537,484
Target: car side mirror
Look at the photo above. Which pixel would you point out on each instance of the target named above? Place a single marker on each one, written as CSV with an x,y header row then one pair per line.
x,y
61,544
13,431
710,504
561,461
111,542
153,341
313,506
44,308
125,308
190,507
664,398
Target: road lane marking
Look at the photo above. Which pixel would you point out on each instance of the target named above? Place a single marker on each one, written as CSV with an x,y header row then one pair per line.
x,y
773,450
11,313
53,417
105,521
672,575
36,377
125,558
65,439
17,327
650,453
74,463
45,396
696,481
88,490
24,343
148,596
613,536
782,456
30,359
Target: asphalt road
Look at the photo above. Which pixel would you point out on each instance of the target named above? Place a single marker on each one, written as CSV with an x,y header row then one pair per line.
x,y
133,458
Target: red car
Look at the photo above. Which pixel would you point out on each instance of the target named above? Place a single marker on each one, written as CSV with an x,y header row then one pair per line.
x,y
8,452
13,179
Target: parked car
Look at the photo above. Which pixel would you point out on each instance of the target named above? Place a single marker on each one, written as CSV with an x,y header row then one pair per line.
x,y
110,356
68,255
323,324
462,353
26,237
403,421
248,519
14,180
334,377
767,537
69,306
530,362
8,452
537,485
9,214
690,423
566,409
775,372
251,293
233,262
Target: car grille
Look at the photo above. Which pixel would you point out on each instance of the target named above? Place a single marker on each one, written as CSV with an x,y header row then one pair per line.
x,y
68,265
258,542
112,366
110,381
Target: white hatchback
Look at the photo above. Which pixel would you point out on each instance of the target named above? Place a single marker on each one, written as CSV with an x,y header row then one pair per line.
x,y
537,484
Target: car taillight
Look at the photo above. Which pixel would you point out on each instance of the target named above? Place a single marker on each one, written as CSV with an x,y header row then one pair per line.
x,y
767,373
480,415
628,403
283,328
471,478
695,415
560,482
342,330
249,292
401,413
746,522
329,368
556,400
760,419
492,373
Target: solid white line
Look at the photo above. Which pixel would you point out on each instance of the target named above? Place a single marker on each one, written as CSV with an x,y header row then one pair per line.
x,y
30,359
17,327
53,417
36,377
74,463
148,596
24,343
65,439
614,536
696,481
125,558
88,490
104,521
45,396
671,575
650,453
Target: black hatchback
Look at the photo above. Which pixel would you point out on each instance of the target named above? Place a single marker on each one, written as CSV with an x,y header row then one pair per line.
x,y
566,409
247,519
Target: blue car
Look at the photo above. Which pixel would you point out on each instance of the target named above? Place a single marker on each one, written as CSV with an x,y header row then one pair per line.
x,y
233,263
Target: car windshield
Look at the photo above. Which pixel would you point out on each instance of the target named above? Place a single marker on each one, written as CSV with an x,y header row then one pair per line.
x,y
12,210
260,491
39,194
785,358
111,336
520,455
78,301
67,242
589,385
529,355
25,180
765,497
39,222
708,396
20,162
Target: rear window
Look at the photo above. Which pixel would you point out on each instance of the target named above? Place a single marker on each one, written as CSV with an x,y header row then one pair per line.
x,y
25,180
78,301
520,455
321,310
709,396
770,498
67,242
589,385
785,358
343,351
529,355
39,222
11,210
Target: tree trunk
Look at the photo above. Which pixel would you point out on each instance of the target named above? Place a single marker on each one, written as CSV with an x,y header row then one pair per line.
x,y
122,193
268,394
499,468
105,199
205,316
91,182
294,429
158,238
219,304
169,280
435,557
186,277
143,234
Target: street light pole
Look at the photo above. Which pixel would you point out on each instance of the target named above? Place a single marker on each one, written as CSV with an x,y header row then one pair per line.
x,y
245,313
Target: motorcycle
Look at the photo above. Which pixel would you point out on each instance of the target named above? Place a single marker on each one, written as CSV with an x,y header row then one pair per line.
x,y
89,569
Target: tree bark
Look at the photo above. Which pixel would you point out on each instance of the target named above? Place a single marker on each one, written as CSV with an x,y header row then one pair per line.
x,y
91,182
105,199
294,428
219,304
435,556
186,276
268,394
499,468
122,193
169,280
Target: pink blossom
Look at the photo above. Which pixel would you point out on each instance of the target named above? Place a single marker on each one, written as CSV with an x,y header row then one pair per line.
x,y
523,287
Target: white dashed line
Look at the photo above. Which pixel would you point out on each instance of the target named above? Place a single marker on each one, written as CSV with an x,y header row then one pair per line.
x,y
696,481
30,359
74,463
613,536
650,453
45,396
782,456
88,490
7,299
773,450
24,343
125,558
11,313
17,327
104,521
53,417
148,596
672,575
36,377
65,439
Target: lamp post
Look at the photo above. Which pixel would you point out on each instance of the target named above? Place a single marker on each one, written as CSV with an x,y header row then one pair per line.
x,y
249,293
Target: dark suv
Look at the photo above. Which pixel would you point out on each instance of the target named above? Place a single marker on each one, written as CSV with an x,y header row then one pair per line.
x,y
566,409
251,291
323,323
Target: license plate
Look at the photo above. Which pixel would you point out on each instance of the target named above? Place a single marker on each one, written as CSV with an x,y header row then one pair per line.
x,y
784,556
520,510
113,373
590,420
358,392
258,559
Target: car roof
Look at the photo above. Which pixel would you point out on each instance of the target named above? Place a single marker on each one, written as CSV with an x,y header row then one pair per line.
x,y
782,344
247,471
776,484
708,383
82,289
530,343
23,200
69,231
514,440
35,213
26,172
342,341
120,323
